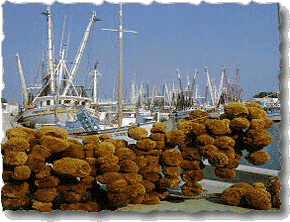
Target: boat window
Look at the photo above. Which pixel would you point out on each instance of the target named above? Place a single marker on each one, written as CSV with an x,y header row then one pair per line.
x,y
83,103
59,101
47,102
40,103
67,101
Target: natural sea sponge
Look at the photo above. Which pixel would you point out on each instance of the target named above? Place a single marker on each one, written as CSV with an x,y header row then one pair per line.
x,y
54,144
42,206
125,153
190,153
219,127
157,136
109,177
72,166
158,128
225,173
256,113
119,199
151,199
21,172
259,185
258,199
224,142
153,152
218,159
105,148
117,185
15,158
146,144
150,169
230,152
45,195
236,109
152,177
120,143
47,182
258,158
233,195
198,129
91,139
192,176
172,157
207,150
136,193
35,163
103,137
185,126
168,182
152,159
132,178
18,144
198,116
15,190
137,133
128,166
192,189
40,150
204,140
243,185
175,137
171,172
160,145
190,165
239,123
88,206
253,104
15,204
233,163
108,167
149,186
53,131
274,187
257,139
75,150
261,124
112,159
161,193
21,132
141,161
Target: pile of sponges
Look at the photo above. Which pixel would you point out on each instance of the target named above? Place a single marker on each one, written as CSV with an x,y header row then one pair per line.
x,y
257,195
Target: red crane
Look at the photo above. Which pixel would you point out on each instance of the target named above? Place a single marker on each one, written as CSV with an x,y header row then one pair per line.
x,y
237,85
228,84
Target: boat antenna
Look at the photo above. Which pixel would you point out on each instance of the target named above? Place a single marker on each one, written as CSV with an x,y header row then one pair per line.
x,y
120,31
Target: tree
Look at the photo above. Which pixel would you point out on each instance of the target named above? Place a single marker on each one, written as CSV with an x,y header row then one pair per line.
x,y
4,100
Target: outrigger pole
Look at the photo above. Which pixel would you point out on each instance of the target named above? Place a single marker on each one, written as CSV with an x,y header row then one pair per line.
x,y
120,31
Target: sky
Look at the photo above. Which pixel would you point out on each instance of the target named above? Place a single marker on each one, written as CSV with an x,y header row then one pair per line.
x,y
169,36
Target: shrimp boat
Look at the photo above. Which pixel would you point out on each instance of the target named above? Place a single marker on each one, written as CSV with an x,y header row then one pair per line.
x,y
59,103
58,96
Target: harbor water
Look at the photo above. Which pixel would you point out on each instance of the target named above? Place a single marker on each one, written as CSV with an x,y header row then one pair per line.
x,y
273,148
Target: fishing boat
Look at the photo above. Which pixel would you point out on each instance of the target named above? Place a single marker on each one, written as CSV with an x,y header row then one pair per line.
x,y
78,115
58,96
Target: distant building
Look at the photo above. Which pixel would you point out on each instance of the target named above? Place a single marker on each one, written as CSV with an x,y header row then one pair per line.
x,y
10,109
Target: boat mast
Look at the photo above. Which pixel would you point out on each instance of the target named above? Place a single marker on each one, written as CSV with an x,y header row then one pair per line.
x,y
50,51
79,53
120,31
22,79
210,87
221,84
